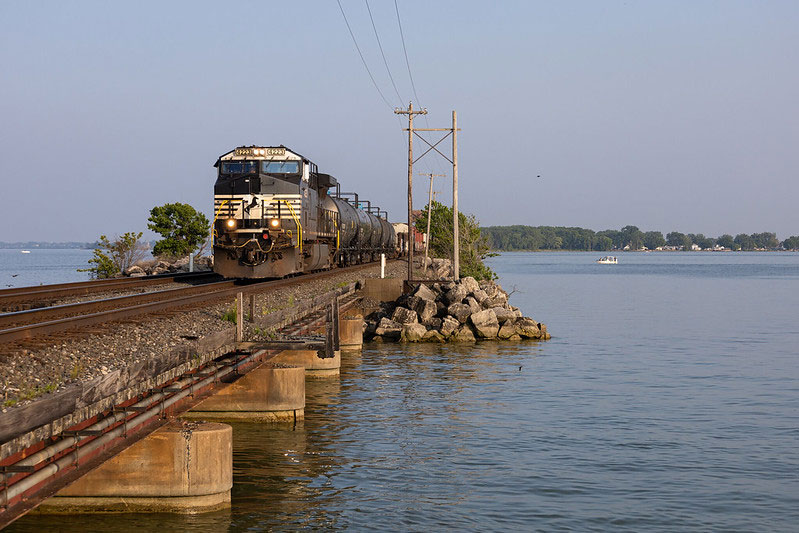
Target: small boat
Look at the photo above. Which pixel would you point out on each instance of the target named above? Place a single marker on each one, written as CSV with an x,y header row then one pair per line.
x,y
607,260
25,252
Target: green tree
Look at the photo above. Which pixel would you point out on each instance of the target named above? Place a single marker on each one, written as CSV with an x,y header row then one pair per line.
x,y
727,241
112,257
765,240
744,241
791,243
603,243
653,239
182,227
675,238
473,246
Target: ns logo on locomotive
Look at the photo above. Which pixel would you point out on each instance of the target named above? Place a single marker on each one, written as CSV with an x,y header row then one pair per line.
x,y
275,215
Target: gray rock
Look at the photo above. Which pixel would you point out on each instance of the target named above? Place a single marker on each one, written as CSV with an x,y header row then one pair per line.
x,y
434,323
479,295
528,328
508,330
463,334
404,316
474,307
135,271
460,311
425,293
426,309
160,267
413,332
441,309
433,336
448,326
388,328
485,324
470,284
503,314
500,300
518,313
455,295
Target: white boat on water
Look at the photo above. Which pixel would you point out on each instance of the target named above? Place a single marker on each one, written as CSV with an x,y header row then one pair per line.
x,y
607,260
25,251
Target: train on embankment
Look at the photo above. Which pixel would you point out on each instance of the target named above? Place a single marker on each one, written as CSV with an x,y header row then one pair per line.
x,y
276,215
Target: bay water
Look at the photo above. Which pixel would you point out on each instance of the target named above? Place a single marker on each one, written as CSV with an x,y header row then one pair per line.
x,y
667,400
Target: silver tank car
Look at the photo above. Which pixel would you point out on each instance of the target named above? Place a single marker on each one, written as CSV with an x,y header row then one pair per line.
x,y
276,215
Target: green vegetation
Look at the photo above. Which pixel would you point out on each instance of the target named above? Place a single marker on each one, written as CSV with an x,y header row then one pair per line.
x,y
230,314
182,227
112,257
473,246
509,238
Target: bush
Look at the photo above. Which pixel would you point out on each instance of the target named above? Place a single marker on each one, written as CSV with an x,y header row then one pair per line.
x,y
182,227
473,246
111,258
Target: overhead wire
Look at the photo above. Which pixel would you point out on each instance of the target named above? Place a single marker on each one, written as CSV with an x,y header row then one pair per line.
x,y
380,45
363,60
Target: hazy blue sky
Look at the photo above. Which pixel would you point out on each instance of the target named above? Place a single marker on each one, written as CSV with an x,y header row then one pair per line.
x,y
666,115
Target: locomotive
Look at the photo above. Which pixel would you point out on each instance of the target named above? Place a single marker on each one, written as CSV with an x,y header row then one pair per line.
x,y
276,215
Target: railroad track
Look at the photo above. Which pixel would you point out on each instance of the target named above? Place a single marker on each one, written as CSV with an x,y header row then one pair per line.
x,y
25,325
40,296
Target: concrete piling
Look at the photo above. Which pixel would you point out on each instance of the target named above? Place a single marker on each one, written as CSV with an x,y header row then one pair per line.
x,y
184,467
273,392
351,332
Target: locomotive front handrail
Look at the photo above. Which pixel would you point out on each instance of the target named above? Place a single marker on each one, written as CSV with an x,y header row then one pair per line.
x,y
299,226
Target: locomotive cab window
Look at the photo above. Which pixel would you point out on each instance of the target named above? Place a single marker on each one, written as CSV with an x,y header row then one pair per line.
x,y
280,167
240,167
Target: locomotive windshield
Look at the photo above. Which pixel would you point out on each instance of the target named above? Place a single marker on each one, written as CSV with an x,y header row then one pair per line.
x,y
280,167
239,167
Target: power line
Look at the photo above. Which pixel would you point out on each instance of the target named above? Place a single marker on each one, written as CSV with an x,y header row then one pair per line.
x,y
361,54
405,50
381,51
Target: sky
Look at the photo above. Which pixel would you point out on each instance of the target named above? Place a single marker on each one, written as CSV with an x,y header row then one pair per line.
x,y
670,115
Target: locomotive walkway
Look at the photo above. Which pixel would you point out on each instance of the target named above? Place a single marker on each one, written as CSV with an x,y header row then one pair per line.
x,y
52,442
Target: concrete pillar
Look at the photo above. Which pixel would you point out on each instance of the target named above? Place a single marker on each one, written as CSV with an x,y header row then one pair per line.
x,y
273,392
350,332
315,366
184,467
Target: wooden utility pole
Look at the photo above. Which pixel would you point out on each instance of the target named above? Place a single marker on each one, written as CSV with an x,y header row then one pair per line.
x,y
429,210
411,241
456,236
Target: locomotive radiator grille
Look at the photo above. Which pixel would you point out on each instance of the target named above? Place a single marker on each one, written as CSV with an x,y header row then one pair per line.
x,y
235,206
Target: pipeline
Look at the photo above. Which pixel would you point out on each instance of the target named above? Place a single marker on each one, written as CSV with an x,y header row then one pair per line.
x,y
50,470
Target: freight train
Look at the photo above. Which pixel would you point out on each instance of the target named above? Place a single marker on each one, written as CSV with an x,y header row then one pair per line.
x,y
276,215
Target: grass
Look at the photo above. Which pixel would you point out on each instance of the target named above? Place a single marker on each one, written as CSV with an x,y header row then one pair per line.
x,y
77,368
230,314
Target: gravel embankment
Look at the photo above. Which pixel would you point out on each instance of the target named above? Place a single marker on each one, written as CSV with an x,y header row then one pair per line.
x,y
27,374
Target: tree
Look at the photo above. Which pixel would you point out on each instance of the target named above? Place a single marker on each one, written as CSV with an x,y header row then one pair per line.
x,y
603,243
791,243
473,246
726,241
765,240
182,227
744,241
111,258
675,238
653,239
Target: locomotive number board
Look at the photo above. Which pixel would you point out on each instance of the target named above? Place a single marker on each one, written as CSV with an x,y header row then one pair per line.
x,y
260,151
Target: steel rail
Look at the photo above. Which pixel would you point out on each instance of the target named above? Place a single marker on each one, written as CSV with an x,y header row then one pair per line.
x,y
30,331
82,288
44,314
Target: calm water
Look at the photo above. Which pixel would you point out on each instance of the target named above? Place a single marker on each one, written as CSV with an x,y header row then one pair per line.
x,y
667,400
42,267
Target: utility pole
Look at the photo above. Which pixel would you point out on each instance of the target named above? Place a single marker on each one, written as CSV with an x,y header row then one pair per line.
x,y
411,241
456,236
429,210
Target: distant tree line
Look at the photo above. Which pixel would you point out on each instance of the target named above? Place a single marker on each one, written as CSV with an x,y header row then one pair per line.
x,y
507,238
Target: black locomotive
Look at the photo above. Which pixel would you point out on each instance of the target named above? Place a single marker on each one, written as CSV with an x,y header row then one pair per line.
x,y
275,214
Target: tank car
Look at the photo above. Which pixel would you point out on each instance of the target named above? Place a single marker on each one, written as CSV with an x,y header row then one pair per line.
x,y
276,215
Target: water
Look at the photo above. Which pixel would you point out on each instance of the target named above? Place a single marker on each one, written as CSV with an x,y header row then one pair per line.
x,y
666,400
42,266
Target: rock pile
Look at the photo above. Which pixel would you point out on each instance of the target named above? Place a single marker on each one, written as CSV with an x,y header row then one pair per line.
x,y
452,312
160,266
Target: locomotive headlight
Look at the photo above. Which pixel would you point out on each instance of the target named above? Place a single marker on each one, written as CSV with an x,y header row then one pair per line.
x,y
274,223
230,223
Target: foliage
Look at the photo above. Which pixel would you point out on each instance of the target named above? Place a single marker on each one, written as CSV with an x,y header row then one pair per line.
x,y
473,246
182,227
791,243
229,315
565,238
112,257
